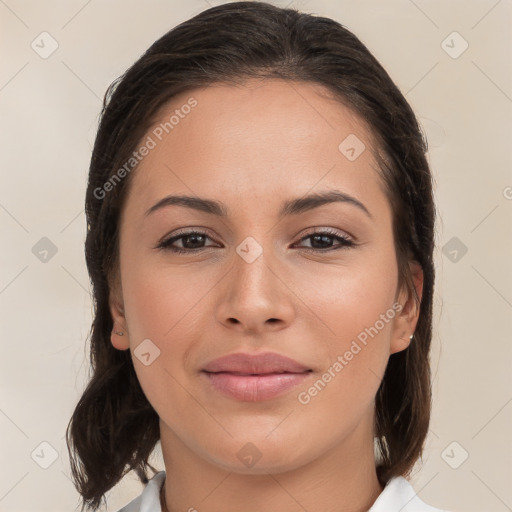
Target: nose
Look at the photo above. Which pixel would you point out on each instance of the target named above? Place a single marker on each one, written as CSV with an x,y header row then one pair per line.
x,y
254,297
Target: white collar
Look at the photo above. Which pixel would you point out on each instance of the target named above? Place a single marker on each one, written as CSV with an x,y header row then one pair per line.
x,y
399,496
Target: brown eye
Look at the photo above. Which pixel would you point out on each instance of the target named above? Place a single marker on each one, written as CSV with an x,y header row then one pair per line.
x,y
191,241
323,241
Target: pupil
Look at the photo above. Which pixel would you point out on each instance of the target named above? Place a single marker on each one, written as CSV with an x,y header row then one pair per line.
x,y
197,238
326,239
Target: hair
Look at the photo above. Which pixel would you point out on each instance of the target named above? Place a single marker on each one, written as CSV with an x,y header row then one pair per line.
x,y
114,428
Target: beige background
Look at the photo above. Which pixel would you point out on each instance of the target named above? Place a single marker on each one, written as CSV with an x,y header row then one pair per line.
x,y
49,116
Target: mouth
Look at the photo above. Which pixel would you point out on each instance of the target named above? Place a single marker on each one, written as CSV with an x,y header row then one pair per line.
x,y
253,378
257,374
255,364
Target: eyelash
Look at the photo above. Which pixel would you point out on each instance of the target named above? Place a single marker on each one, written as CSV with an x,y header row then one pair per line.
x,y
346,243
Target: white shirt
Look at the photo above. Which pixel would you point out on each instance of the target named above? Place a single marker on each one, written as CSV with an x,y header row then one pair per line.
x,y
397,496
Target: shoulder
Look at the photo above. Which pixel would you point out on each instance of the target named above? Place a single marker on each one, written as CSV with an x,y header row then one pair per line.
x,y
400,495
149,499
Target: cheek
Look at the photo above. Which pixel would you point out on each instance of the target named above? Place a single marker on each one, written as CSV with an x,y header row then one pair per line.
x,y
164,306
350,297
356,304
355,359
161,302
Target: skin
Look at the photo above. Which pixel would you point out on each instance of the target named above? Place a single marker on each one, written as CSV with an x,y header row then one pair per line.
x,y
253,147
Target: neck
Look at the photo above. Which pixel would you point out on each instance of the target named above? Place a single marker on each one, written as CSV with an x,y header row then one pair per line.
x,y
343,479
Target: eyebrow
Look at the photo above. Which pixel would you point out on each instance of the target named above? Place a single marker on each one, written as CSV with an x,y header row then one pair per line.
x,y
290,207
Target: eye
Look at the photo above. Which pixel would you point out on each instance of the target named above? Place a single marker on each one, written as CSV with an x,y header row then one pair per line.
x,y
321,241
191,241
194,241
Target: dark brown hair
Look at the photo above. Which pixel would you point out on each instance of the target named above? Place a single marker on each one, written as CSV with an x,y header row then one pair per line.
x,y
114,428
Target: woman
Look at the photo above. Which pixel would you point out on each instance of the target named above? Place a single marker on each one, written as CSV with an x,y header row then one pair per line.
x,y
260,239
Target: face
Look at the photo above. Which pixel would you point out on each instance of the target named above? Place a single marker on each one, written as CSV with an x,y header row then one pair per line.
x,y
267,270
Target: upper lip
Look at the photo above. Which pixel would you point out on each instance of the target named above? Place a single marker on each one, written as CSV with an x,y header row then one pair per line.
x,y
255,364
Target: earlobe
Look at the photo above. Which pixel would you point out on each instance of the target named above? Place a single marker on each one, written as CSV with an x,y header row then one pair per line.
x,y
401,343
119,340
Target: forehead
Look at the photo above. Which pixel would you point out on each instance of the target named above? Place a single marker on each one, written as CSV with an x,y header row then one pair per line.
x,y
265,137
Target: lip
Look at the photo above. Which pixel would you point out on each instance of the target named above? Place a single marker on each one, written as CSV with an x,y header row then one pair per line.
x,y
253,378
264,363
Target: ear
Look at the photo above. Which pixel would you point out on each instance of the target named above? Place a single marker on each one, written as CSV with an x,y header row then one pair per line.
x,y
121,342
407,318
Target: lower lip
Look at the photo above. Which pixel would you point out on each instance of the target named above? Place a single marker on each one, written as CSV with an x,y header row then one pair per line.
x,y
255,388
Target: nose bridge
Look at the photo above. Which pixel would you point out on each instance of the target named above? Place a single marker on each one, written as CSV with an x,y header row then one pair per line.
x,y
254,295
253,277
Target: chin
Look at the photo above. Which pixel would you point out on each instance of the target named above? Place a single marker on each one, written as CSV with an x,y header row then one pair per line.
x,y
254,454
267,464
